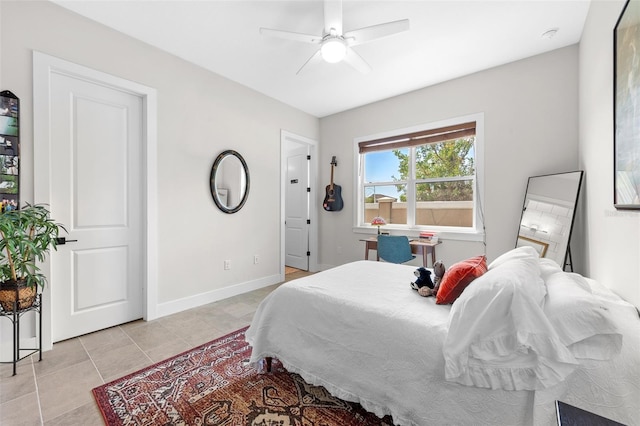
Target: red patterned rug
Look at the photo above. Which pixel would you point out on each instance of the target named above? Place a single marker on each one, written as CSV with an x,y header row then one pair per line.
x,y
212,385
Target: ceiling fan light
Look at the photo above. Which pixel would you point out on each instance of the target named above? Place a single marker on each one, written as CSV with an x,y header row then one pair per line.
x,y
333,50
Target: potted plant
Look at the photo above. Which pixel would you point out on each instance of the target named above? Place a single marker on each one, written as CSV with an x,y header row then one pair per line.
x,y
26,236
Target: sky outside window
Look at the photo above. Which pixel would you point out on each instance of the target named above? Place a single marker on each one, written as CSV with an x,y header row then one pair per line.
x,y
381,166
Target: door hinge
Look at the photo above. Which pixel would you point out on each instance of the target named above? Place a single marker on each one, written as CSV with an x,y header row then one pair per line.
x,y
308,157
308,253
308,221
308,189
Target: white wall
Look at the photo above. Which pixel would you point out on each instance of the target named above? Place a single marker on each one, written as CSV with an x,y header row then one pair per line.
x,y
612,238
200,114
531,128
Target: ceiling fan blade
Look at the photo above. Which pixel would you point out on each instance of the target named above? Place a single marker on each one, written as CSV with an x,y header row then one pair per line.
x,y
317,57
288,35
367,34
333,16
352,58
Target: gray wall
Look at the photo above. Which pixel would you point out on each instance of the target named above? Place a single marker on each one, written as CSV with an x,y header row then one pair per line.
x,y
611,249
531,128
200,114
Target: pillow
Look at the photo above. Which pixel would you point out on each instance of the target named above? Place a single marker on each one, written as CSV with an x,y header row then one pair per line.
x,y
524,274
548,267
581,319
458,277
499,336
523,252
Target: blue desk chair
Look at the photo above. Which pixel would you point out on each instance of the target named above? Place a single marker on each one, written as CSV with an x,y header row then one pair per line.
x,y
394,248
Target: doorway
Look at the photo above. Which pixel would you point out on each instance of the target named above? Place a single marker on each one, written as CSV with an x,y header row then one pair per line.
x,y
299,235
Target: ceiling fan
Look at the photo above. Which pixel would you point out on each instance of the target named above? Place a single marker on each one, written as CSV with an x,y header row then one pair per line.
x,y
335,45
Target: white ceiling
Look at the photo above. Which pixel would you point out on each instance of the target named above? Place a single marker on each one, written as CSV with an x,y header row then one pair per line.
x,y
447,39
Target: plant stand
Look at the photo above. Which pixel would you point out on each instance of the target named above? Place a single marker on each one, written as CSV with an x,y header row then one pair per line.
x,y
14,316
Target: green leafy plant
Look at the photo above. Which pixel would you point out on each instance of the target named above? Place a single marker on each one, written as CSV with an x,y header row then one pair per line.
x,y
26,236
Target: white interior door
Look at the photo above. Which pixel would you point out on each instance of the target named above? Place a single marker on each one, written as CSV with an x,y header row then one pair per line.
x,y
297,209
96,192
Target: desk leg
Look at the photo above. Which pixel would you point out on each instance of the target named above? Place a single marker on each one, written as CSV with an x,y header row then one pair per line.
x,y
425,255
366,250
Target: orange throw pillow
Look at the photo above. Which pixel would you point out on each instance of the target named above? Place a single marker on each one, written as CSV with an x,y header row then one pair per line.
x,y
458,277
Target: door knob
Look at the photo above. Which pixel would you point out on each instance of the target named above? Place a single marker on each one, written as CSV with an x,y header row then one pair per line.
x,y
63,240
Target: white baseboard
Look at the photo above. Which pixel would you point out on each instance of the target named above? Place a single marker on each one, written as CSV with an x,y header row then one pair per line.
x,y
6,350
324,267
190,302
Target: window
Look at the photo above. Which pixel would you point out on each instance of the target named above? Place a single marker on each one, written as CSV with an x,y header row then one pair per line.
x,y
423,178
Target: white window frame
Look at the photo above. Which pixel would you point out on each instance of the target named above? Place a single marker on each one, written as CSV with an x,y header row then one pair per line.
x,y
473,233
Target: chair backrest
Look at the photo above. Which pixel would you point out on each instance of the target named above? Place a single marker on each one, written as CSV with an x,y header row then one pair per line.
x,y
394,248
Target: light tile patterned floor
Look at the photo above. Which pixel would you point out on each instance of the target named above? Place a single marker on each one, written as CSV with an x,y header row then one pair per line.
x,y
57,390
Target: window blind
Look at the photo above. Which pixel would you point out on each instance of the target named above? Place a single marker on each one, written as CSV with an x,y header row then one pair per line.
x,y
423,137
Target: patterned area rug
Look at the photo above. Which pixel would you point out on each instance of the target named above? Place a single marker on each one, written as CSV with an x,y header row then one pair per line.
x,y
213,385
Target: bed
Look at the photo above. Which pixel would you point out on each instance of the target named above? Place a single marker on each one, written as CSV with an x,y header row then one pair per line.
x,y
519,337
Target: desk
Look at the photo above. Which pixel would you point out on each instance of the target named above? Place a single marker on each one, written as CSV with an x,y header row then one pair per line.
x,y
417,247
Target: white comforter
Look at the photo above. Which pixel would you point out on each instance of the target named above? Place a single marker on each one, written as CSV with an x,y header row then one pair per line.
x,y
363,334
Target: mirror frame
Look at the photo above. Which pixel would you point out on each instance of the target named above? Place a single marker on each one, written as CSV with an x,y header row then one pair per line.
x,y
212,181
541,246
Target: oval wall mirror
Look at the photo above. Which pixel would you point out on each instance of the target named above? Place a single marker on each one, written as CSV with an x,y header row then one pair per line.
x,y
229,181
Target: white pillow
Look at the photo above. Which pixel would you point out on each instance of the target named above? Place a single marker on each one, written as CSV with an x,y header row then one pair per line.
x,y
548,267
499,336
524,252
522,269
582,321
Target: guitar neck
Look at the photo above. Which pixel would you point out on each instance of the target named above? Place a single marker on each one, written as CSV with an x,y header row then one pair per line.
x,y
331,184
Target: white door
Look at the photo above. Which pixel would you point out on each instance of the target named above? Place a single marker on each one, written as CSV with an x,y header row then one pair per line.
x,y
96,192
297,209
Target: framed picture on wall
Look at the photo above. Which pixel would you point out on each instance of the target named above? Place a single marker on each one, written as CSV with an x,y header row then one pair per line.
x,y
626,89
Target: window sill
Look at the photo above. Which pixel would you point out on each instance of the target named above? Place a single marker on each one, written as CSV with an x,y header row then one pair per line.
x,y
414,233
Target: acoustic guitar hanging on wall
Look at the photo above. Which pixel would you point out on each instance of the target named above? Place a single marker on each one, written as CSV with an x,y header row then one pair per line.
x,y
333,198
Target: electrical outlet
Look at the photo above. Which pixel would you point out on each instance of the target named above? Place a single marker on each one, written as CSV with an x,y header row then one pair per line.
x,y
227,265
255,259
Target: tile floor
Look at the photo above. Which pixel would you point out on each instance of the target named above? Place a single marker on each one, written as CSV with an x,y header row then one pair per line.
x,y
57,390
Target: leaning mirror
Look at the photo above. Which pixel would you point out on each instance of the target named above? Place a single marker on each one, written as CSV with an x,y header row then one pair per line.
x,y
548,214
229,181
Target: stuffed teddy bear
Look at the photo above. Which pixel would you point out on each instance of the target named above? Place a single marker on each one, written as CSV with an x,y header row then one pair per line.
x,y
423,284
423,279
438,271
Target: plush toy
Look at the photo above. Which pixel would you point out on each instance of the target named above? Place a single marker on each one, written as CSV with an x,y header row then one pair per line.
x,y
423,279
423,284
438,271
